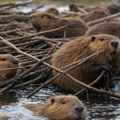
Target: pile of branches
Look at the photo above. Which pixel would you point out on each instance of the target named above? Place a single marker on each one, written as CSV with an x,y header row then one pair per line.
x,y
34,51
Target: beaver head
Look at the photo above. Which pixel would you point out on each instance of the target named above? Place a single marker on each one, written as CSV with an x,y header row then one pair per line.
x,y
95,14
8,61
99,13
53,11
70,106
113,8
42,20
61,107
110,44
73,7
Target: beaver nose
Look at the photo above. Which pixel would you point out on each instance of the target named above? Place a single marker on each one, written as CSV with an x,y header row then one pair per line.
x,y
79,109
15,61
114,44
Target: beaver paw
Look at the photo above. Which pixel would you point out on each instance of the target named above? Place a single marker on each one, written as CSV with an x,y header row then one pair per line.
x,y
101,67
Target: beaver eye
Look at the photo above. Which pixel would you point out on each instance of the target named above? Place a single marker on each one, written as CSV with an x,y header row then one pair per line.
x,y
52,100
101,39
49,17
3,59
93,38
103,13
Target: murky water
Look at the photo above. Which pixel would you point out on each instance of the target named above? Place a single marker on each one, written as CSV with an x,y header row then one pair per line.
x,y
98,109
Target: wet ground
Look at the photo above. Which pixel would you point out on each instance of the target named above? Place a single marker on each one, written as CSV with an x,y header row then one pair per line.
x,y
101,108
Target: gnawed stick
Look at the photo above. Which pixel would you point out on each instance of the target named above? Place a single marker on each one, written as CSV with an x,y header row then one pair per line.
x,y
85,85
6,88
48,82
43,85
94,82
66,74
12,5
39,33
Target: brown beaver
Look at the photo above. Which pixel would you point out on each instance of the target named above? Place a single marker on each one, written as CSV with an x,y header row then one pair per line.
x,y
113,8
53,11
45,21
62,107
111,28
95,14
74,8
4,117
88,71
8,61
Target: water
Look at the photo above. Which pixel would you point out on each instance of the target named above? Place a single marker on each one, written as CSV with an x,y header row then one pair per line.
x,y
98,109
11,103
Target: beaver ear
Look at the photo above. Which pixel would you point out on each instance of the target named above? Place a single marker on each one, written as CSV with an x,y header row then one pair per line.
x,y
93,38
52,100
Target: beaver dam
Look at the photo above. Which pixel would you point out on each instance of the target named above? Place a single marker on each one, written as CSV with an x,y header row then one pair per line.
x,y
33,37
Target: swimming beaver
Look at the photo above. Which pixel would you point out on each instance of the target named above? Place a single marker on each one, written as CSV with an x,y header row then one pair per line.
x,y
8,61
45,21
112,28
62,107
88,71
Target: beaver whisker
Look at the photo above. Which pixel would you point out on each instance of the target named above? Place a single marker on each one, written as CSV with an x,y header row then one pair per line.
x,y
113,54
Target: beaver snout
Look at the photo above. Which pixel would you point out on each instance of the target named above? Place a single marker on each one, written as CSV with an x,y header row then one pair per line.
x,y
114,44
15,61
79,109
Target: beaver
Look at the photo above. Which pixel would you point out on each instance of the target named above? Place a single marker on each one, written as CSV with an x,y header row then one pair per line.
x,y
95,14
53,11
113,8
45,21
75,8
111,28
8,61
87,72
61,107
4,117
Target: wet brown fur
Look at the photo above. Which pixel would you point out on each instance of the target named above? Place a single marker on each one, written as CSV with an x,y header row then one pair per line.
x,y
53,11
4,117
44,21
95,14
112,28
78,49
114,8
6,62
59,108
